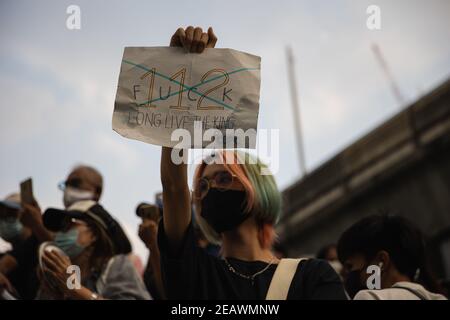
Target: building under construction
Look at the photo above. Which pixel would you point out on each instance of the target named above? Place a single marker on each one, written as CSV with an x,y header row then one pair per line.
x,y
402,166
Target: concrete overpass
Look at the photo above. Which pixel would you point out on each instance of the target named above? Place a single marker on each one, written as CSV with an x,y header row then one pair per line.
x,y
402,166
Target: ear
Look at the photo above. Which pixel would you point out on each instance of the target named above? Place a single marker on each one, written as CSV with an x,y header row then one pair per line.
x,y
266,235
383,259
93,238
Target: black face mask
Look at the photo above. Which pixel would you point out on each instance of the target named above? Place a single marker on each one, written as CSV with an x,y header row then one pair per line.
x,y
224,210
353,284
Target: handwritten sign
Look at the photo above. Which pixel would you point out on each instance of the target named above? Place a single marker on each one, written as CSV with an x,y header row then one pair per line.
x,y
162,89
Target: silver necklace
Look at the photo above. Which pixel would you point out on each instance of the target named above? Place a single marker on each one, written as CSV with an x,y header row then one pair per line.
x,y
248,277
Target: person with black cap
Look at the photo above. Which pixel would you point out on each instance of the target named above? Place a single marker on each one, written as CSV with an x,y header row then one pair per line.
x,y
92,240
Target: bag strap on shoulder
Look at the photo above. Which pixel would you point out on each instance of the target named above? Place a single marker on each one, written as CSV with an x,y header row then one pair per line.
x,y
282,279
414,292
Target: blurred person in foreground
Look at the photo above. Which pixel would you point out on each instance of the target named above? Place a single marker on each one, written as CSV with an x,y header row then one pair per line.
x,y
394,246
92,240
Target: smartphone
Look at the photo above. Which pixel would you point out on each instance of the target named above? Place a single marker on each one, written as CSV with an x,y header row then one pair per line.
x,y
26,191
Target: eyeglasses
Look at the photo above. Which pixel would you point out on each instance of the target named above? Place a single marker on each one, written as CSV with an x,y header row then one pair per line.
x,y
223,180
74,183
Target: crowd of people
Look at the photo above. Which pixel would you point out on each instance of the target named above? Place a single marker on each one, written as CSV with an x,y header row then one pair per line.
x,y
217,242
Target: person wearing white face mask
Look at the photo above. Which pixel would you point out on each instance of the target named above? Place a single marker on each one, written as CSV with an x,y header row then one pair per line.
x,y
83,183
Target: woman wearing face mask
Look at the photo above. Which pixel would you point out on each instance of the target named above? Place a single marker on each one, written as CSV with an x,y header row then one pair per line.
x,y
92,240
237,206
395,247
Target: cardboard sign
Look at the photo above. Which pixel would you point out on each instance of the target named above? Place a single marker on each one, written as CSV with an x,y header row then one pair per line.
x,y
162,89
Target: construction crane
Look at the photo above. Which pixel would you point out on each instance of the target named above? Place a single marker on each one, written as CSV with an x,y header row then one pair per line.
x,y
387,72
296,110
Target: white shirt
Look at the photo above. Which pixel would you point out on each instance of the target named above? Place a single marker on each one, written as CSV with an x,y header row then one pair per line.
x,y
413,291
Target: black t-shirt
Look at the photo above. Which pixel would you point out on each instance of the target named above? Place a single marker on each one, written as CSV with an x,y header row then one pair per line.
x,y
192,273
24,277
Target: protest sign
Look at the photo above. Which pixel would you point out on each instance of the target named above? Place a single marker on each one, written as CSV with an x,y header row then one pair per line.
x,y
162,89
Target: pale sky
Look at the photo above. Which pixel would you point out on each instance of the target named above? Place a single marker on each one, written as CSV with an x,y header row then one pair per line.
x,y
58,85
